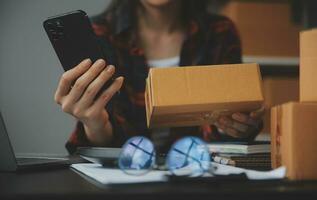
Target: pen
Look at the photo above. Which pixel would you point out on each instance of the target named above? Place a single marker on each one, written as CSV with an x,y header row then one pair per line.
x,y
224,161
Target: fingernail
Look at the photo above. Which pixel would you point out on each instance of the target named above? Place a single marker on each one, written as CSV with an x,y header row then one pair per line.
x,y
121,78
110,69
86,61
100,61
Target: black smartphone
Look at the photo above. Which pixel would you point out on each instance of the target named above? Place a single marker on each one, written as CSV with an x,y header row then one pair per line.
x,y
73,40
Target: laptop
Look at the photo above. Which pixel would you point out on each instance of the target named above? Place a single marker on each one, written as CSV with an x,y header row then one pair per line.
x,y
10,163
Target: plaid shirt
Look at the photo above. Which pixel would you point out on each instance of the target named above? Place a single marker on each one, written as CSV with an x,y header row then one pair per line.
x,y
212,39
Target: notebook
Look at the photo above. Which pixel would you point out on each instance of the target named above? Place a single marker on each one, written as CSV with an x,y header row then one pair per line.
x,y
240,147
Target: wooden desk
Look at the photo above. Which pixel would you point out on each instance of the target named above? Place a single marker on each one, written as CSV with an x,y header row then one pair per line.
x,y
66,184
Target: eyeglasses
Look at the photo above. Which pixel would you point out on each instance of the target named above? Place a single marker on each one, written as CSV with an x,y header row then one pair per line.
x,y
187,156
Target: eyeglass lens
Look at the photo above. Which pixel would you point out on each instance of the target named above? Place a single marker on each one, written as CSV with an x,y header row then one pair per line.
x,y
137,156
189,156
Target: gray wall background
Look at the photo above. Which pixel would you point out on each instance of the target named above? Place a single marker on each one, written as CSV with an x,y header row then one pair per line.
x,y
29,74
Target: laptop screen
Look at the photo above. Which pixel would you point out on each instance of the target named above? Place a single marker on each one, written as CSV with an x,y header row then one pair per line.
x,y
8,162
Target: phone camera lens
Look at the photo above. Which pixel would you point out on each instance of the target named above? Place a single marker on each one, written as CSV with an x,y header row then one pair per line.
x,y
58,23
49,25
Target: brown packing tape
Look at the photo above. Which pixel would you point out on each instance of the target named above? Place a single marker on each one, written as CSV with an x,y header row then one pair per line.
x,y
193,118
246,106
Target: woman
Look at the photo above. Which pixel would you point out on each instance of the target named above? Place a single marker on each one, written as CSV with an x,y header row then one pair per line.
x,y
137,35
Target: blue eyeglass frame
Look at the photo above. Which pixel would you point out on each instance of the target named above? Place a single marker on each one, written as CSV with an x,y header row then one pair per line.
x,y
187,156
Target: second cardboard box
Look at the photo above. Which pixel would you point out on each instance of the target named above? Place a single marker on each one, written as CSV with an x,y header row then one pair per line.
x,y
294,139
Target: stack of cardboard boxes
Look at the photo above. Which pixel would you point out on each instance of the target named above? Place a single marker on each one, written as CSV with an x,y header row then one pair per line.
x,y
294,124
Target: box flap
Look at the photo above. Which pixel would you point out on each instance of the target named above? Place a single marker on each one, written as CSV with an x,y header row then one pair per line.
x,y
148,102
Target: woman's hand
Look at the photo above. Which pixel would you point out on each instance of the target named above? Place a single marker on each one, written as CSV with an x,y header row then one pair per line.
x,y
240,125
76,93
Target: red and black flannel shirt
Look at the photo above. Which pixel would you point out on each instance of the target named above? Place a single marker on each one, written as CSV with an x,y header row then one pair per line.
x,y
212,39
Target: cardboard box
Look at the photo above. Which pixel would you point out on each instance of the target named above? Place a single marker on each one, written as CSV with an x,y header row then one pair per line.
x,y
278,90
265,27
294,139
308,65
188,96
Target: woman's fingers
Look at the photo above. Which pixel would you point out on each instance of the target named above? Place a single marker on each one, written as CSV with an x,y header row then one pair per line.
x,y
227,122
105,97
228,130
244,118
240,124
84,110
68,79
95,86
85,80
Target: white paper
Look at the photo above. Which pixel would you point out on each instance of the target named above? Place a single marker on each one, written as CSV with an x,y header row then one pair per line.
x,y
116,176
278,173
